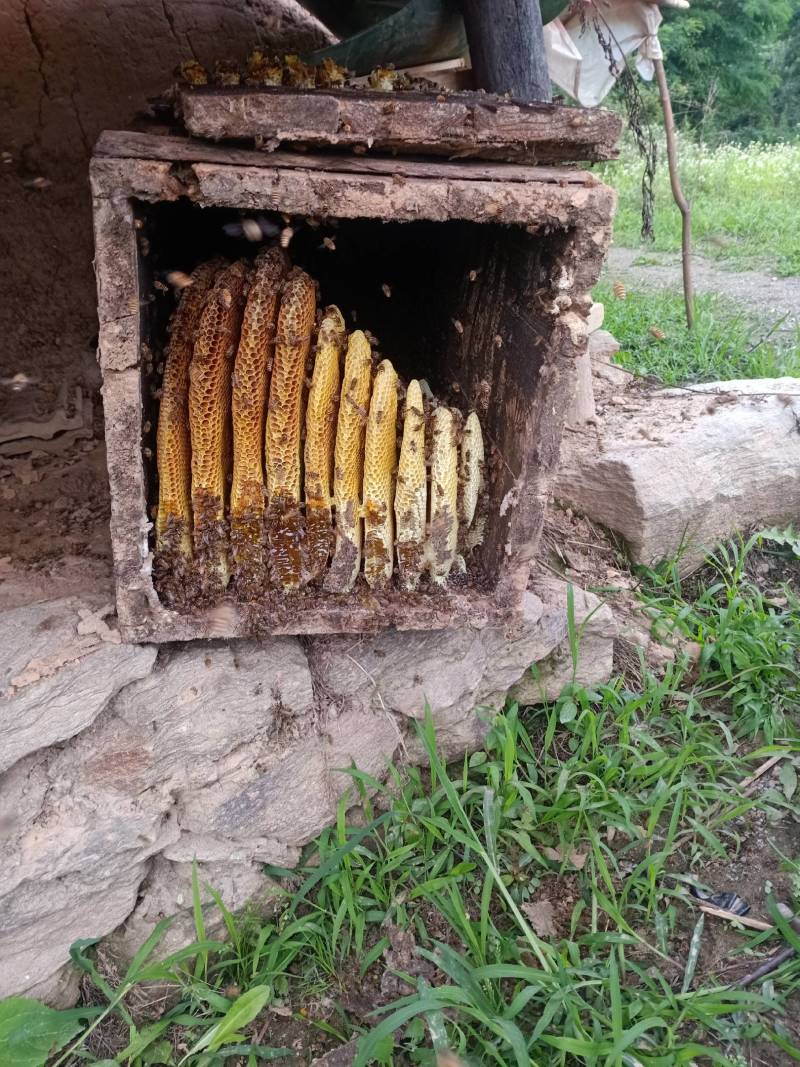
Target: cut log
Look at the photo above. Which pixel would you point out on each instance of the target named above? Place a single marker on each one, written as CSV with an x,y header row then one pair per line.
x,y
675,471
127,144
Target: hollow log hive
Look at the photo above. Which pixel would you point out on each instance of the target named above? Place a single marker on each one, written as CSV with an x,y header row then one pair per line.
x,y
289,456
477,274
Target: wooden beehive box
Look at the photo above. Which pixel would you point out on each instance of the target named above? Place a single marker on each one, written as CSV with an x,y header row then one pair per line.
x,y
473,274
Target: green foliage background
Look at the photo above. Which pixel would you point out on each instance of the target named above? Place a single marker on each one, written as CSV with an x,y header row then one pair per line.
x,y
734,68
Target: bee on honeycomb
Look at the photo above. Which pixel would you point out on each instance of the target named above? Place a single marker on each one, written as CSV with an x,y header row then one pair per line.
x,y
288,460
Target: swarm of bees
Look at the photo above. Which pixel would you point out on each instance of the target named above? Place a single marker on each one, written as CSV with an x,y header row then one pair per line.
x,y
290,71
289,457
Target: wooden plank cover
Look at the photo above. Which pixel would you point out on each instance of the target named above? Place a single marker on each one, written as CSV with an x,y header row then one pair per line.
x,y
461,125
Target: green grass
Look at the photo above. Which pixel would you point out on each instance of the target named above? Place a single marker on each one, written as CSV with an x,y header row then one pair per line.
x,y
724,343
744,207
603,805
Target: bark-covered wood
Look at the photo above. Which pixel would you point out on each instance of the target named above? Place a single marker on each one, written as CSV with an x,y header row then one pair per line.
x,y
456,124
523,323
506,47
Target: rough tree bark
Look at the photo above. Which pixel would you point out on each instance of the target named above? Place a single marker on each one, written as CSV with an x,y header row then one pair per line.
x,y
506,44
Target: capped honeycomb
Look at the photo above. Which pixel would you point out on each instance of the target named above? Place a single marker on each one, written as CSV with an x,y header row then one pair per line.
x,y
291,458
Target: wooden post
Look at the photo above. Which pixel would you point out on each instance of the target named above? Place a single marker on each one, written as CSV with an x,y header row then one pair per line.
x,y
506,46
677,192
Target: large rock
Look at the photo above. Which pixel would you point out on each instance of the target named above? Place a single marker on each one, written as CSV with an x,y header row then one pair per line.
x,y
264,816
166,891
84,821
596,629
74,855
61,666
460,674
676,470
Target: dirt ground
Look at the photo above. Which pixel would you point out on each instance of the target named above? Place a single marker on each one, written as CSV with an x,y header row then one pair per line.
x,y
765,295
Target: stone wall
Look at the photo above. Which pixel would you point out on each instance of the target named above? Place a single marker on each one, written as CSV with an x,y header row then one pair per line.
x,y
69,69
123,764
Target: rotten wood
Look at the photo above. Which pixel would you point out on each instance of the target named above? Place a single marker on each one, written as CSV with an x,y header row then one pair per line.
x,y
465,124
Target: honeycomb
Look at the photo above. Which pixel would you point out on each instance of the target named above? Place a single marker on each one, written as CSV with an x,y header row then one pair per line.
x,y
348,461
380,460
210,422
250,387
321,411
411,491
284,429
173,449
289,458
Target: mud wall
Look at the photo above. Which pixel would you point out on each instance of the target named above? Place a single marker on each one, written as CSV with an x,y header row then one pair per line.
x,y
69,69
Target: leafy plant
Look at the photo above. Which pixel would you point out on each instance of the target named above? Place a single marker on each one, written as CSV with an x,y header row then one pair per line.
x,y
741,195
30,1032
750,646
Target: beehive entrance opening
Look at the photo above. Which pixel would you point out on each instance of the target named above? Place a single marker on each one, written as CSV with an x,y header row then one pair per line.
x,y
465,306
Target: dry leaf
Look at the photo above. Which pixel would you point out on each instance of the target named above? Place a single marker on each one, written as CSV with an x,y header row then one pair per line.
x,y
541,916
577,859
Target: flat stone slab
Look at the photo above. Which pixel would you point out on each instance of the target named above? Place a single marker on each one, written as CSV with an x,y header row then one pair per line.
x,y
62,664
674,471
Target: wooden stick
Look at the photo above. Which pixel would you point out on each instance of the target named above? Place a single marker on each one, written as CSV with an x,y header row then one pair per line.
x,y
773,962
767,967
731,916
677,192
747,783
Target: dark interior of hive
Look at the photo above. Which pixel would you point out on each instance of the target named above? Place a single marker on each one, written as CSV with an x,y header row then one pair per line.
x,y
460,304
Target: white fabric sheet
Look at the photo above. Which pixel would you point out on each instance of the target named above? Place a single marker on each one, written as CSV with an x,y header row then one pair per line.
x,y
575,56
